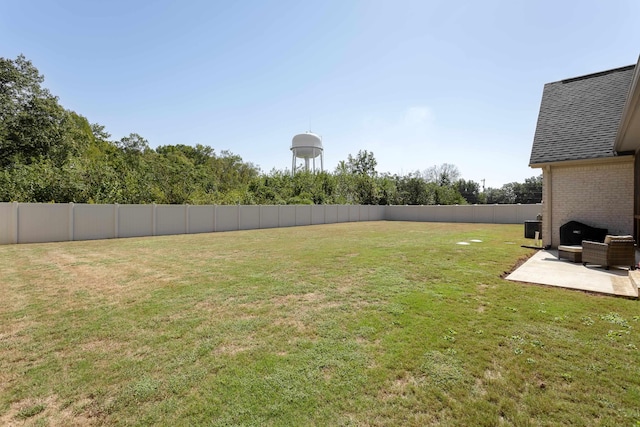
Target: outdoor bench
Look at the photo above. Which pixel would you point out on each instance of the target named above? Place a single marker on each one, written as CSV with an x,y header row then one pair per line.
x,y
571,252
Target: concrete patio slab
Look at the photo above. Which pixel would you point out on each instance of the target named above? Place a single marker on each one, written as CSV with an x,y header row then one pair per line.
x,y
545,268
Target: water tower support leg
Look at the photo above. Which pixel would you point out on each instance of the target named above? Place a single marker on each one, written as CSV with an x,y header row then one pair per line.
x,y
293,162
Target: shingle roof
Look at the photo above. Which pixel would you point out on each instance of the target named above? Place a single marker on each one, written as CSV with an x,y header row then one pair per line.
x,y
579,117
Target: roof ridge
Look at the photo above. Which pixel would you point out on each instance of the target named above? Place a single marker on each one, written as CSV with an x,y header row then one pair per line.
x,y
598,74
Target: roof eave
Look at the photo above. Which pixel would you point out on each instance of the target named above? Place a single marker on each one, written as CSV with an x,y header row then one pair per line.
x,y
578,162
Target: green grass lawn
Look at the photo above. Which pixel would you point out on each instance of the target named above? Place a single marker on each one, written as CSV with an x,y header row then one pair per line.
x,y
380,323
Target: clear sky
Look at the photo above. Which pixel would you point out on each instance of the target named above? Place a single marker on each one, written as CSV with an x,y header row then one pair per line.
x,y
418,83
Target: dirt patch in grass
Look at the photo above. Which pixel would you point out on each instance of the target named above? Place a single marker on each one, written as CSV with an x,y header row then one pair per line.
x,y
6,381
52,412
293,323
102,346
311,297
55,273
231,349
492,375
400,387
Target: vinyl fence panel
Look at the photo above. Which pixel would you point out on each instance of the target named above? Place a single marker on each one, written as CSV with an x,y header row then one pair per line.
x,y
48,222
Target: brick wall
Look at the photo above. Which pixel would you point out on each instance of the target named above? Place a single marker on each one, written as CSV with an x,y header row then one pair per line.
x,y
546,206
598,194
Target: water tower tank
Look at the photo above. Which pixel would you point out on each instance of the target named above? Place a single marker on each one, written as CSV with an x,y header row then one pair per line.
x,y
307,146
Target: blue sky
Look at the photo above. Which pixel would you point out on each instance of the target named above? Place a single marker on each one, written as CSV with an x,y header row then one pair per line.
x,y
418,83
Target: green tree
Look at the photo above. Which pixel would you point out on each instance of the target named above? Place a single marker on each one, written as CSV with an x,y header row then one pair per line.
x,y
413,190
33,125
232,173
446,195
362,186
364,163
345,184
515,192
469,190
133,144
442,175
530,191
388,191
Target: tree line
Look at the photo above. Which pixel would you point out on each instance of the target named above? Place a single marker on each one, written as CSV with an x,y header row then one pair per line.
x,y
51,154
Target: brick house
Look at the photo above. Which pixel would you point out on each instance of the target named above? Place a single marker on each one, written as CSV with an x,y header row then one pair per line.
x,y
586,143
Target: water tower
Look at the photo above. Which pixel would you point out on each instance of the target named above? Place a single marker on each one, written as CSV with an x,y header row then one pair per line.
x,y
306,146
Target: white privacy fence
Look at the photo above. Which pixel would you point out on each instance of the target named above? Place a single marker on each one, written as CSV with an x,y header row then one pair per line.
x,y
491,214
44,222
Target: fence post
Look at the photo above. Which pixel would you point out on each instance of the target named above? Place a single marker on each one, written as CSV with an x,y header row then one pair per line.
x,y
153,219
215,218
186,218
15,211
116,213
71,220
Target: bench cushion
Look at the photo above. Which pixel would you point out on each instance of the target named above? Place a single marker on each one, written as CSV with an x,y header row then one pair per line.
x,y
572,248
